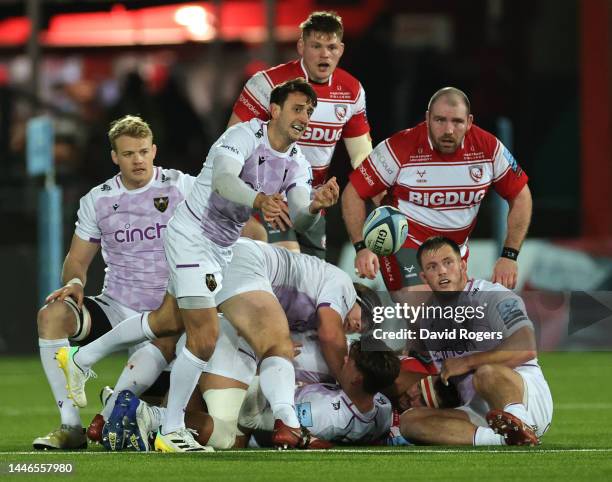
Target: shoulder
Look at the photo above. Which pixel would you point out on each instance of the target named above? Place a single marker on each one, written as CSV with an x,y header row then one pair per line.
x,y
110,187
170,176
281,73
481,139
480,285
407,141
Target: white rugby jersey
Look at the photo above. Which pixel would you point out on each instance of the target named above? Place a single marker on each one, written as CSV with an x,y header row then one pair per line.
x,y
301,283
329,414
128,224
340,111
440,194
265,170
310,365
504,312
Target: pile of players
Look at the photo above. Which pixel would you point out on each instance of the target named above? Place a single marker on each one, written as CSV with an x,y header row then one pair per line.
x,y
236,342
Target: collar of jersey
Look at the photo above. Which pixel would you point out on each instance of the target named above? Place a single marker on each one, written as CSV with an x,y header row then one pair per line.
x,y
274,151
154,177
329,82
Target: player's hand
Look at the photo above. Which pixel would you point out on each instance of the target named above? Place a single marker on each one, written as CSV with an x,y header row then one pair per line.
x,y
325,196
282,221
74,290
269,204
452,367
505,273
366,264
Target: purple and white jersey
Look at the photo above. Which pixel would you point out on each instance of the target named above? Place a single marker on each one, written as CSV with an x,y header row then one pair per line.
x,y
264,170
328,413
504,313
129,224
305,283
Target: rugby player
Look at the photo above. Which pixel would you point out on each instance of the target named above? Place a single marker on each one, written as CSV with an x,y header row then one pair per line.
x,y
504,395
437,174
125,216
340,113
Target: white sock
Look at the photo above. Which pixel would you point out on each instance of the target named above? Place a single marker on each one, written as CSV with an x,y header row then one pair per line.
x,y
183,379
57,381
127,333
486,436
519,411
140,372
277,382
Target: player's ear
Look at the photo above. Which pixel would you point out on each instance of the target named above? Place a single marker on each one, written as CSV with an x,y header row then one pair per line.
x,y
154,150
114,157
274,110
470,121
427,117
341,48
300,46
422,276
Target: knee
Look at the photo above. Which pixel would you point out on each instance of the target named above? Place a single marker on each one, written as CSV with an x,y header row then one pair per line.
x,y
282,347
410,420
51,321
202,344
484,376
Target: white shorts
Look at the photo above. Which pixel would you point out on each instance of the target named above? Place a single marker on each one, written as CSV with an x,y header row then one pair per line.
x,y
233,357
537,400
247,272
196,264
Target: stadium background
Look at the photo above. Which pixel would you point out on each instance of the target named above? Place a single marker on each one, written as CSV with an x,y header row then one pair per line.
x,y
539,70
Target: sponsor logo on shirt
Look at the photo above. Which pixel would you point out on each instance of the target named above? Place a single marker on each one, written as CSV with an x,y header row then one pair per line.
x,y
340,110
105,187
230,148
327,134
446,198
242,99
133,235
366,176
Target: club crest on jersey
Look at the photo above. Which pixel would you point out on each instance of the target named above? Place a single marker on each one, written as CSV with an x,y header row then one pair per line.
x,y
161,203
340,110
476,173
211,282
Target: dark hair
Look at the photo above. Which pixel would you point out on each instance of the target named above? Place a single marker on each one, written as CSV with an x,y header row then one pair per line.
x,y
452,94
368,299
280,93
434,243
326,22
379,366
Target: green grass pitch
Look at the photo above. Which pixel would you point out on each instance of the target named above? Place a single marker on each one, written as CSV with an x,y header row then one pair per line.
x,y
577,447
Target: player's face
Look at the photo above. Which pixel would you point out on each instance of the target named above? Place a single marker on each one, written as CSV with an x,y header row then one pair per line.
x,y
352,322
321,53
447,125
134,156
292,118
443,270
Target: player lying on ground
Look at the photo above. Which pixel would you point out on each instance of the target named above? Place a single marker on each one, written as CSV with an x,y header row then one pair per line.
x,y
505,398
252,165
125,216
270,291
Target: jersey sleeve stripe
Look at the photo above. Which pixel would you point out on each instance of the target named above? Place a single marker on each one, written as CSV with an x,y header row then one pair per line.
x,y
254,99
393,156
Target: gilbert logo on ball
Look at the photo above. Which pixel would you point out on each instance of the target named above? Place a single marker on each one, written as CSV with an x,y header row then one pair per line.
x,y
385,230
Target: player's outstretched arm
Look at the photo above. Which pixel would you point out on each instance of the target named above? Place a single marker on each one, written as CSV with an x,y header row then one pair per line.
x,y
505,270
74,272
354,214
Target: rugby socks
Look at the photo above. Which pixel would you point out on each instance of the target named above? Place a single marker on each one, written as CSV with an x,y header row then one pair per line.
x,y
183,379
140,372
486,436
277,382
57,381
127,333
519,411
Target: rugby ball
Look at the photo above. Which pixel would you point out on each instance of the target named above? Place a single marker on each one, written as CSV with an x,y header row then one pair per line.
x,y
385,230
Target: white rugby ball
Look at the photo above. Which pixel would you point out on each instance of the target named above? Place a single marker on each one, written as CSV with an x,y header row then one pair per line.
x,y
385,230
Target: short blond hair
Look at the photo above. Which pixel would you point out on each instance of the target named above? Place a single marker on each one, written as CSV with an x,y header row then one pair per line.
x,y
129,125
